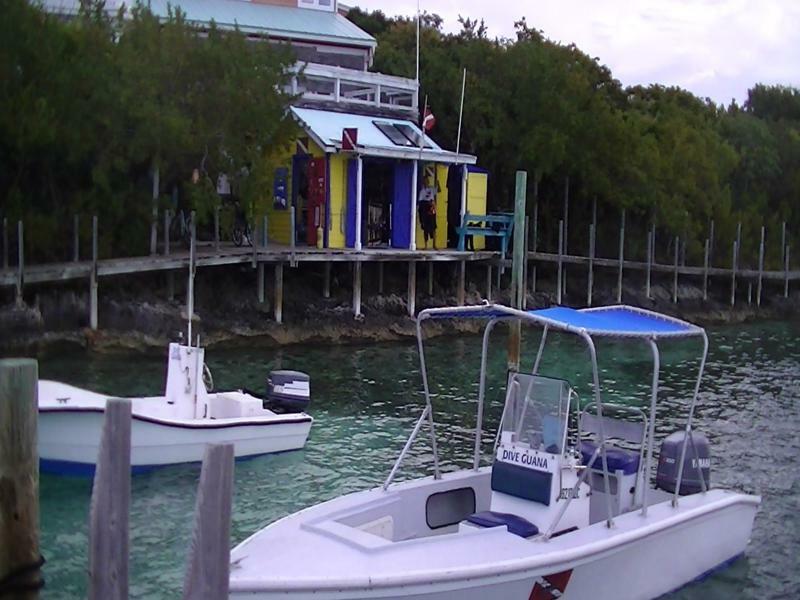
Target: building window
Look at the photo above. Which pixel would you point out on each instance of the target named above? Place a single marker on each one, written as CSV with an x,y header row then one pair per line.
x,y
327,5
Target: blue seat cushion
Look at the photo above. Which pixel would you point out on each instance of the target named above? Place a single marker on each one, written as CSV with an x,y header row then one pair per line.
x,y
516,524
618,459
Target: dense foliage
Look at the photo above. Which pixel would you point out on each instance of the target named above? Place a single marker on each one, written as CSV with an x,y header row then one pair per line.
x,y
99,110
663,154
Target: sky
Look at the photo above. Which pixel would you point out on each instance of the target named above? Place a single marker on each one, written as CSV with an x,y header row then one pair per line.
x,y
714,48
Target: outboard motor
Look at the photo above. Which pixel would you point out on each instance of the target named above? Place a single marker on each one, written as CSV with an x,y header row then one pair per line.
x,y
288,391
670,456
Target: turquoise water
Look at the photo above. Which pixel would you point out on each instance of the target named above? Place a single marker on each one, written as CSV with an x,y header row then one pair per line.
x,y
366,399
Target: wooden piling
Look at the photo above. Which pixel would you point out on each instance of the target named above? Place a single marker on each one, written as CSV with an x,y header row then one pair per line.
x,y
19,477
430,279
733,272
412,288
711,244
462,282
254,244
93,279
535,233
278,308
749,293
216,228
564,249
380,277
264,232
760,265
260,282
675,272
326,279
20,262
357,289
783,240
208,566
293,234
166,232
5,242
489,282
109,513
590,285
560,260
621,256
525,261
706,258
76,238
192,270
786,272
649,264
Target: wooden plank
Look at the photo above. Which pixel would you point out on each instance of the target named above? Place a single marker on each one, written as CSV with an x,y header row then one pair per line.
x,y
357,289
109,513
621,256
760,265
19,474
208,567
278,308
412,289
93,278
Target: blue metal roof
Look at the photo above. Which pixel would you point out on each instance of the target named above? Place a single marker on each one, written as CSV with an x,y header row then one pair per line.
x,y
284,22
614,321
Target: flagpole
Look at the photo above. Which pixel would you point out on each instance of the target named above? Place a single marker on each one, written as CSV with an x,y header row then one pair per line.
x,y
461,112
422,129
417,50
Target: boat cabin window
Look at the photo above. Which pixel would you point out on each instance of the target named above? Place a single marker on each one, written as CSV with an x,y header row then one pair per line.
x,y
536,413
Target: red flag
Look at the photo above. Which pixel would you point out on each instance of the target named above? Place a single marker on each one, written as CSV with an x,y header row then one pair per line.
x,y
428,120
349,138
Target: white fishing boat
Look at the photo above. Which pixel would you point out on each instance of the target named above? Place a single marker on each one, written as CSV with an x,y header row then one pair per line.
x,y
175,427
568,506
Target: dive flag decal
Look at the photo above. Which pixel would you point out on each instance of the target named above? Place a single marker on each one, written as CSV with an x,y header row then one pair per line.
x,y
550,586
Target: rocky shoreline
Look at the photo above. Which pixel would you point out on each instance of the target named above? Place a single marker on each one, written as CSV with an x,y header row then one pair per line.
x,y
135,314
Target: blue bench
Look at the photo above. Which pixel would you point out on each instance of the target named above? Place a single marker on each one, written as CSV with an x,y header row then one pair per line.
x,y
495,225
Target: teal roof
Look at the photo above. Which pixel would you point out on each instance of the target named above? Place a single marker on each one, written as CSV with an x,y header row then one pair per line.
x,y
251,17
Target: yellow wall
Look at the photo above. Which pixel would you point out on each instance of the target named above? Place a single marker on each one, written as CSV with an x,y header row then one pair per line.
x,y
278,220
477,189
441,212
337,183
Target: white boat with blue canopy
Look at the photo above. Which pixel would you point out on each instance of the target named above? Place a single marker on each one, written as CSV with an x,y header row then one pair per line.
x,y
570,506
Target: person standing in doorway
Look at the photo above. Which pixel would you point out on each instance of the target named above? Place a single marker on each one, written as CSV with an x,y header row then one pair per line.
x,y
426,206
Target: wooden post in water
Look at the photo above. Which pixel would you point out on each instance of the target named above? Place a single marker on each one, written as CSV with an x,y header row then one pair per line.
x,y
675,271
93,278
760,266
357,289
260,283
560,257
462,282
524,286
705,269
412,288
566,231
621,256
786,272
110,507
489,281
711,244
216,228
166,232
254,244
190,284
783,241
278,308
430,278
76,238
591,264
749,293
535,232
738,241
5,242
19,474
380,277
208,567
649,264
733,272
326,279
518,268
264,233
292,241
20,263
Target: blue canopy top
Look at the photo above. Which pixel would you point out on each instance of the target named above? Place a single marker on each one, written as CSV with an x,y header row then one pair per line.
x,y
614,321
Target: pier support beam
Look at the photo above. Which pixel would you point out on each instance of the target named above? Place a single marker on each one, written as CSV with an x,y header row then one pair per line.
x,y
278,308
19,472
430,279
412,288
462,282
326,280
357,289
260,282
93,279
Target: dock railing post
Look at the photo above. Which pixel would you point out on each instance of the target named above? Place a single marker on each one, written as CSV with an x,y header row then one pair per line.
x,y
733,272
591,264
20,262
621,256
675,270
760,265
706,258
649,264
208,565
93,278
76,238
19,472
560,258
109,536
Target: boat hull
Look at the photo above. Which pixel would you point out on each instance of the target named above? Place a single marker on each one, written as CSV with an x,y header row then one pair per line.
x,y
69,439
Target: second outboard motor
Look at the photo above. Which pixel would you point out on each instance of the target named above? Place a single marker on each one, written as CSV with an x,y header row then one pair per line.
x,y
288,391
670,456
